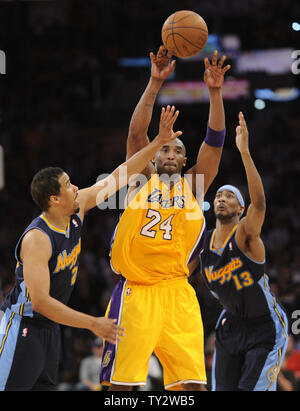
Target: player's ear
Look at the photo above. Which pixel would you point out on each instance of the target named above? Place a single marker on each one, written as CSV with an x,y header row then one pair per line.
x,y
242,209
53,200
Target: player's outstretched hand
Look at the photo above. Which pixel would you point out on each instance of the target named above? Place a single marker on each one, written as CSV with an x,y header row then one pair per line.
x,y
214,73
108,329
167,119
242,135
161,67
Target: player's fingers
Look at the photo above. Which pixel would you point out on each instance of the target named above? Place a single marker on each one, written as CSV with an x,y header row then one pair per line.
x,y
170,115
243,123
167,111
152,56
206,62
215,58
111,340
177,134
161,51
169,53
226,68
221,62
174,115
173,64
162,114
120,331
242,118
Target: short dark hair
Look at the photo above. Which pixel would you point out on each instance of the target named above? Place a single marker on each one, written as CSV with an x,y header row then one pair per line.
x,y
45,184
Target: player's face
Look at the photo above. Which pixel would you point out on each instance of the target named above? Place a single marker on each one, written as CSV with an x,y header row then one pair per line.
x,y
170,159
226,206
68,194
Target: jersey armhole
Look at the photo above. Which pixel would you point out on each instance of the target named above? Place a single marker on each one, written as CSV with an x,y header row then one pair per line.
x,y
18,246
249,258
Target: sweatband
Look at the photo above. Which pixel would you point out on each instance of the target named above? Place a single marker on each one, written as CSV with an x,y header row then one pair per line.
x,y
235,191
215,138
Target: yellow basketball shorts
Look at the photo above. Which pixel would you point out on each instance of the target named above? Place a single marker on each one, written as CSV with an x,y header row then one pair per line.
x,y
164,319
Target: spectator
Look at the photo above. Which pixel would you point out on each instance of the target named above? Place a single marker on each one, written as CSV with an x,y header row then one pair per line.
x,y
90,368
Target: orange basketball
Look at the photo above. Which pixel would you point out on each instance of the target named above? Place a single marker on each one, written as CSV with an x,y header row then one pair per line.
x,y
184,33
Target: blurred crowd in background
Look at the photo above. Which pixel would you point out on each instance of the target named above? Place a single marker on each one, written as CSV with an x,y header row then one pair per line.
x,y
66,101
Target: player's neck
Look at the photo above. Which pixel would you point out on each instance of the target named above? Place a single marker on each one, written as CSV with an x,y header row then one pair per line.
x,y
223,229
169,180
59,221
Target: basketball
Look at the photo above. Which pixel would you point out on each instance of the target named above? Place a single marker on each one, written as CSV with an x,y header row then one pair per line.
x,y
184,33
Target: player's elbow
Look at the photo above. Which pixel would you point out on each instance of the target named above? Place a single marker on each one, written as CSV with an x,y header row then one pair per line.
x,y
39,304
36,305
135,133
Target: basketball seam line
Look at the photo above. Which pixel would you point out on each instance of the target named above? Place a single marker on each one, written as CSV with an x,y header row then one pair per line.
x,y
183,38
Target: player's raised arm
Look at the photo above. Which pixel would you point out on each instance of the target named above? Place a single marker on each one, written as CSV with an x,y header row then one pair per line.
x,y
253,221
210,152
161,68
99,192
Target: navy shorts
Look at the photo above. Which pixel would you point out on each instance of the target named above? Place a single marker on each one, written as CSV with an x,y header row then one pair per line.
x,y
29,353
249,353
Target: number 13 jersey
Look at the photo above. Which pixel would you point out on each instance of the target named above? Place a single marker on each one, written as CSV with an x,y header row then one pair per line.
x,y
159,233
239,283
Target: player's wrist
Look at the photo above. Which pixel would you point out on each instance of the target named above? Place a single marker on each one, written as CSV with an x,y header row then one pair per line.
x,y
158,141
245,152
215,138
156,80
215,90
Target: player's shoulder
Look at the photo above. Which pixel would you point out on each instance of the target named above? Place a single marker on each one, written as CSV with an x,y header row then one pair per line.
x,y
35,236
35,243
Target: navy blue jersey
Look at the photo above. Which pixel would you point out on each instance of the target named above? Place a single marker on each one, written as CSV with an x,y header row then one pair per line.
x,y
239,283
63,265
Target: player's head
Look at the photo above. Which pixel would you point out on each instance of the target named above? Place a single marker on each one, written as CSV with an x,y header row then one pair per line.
x,y
170,158
51,187
228,203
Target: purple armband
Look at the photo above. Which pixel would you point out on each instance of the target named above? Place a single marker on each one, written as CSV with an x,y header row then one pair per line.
x,y
215,138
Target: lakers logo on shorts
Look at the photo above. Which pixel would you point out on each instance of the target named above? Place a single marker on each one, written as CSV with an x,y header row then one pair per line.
x,y
107,358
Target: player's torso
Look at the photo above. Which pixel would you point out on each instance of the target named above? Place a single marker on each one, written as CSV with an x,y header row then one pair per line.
x,y
63,264
158,233
238,282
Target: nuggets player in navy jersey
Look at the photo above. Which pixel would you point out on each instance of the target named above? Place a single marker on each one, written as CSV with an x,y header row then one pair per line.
x,y
47,257
252,330
153,244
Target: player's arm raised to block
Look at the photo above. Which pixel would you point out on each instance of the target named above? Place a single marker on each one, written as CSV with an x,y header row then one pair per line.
x,y
99,192
210,152
249,229
35,253
161,68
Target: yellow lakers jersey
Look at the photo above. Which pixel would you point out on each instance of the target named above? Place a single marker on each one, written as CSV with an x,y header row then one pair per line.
x,y
158,234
